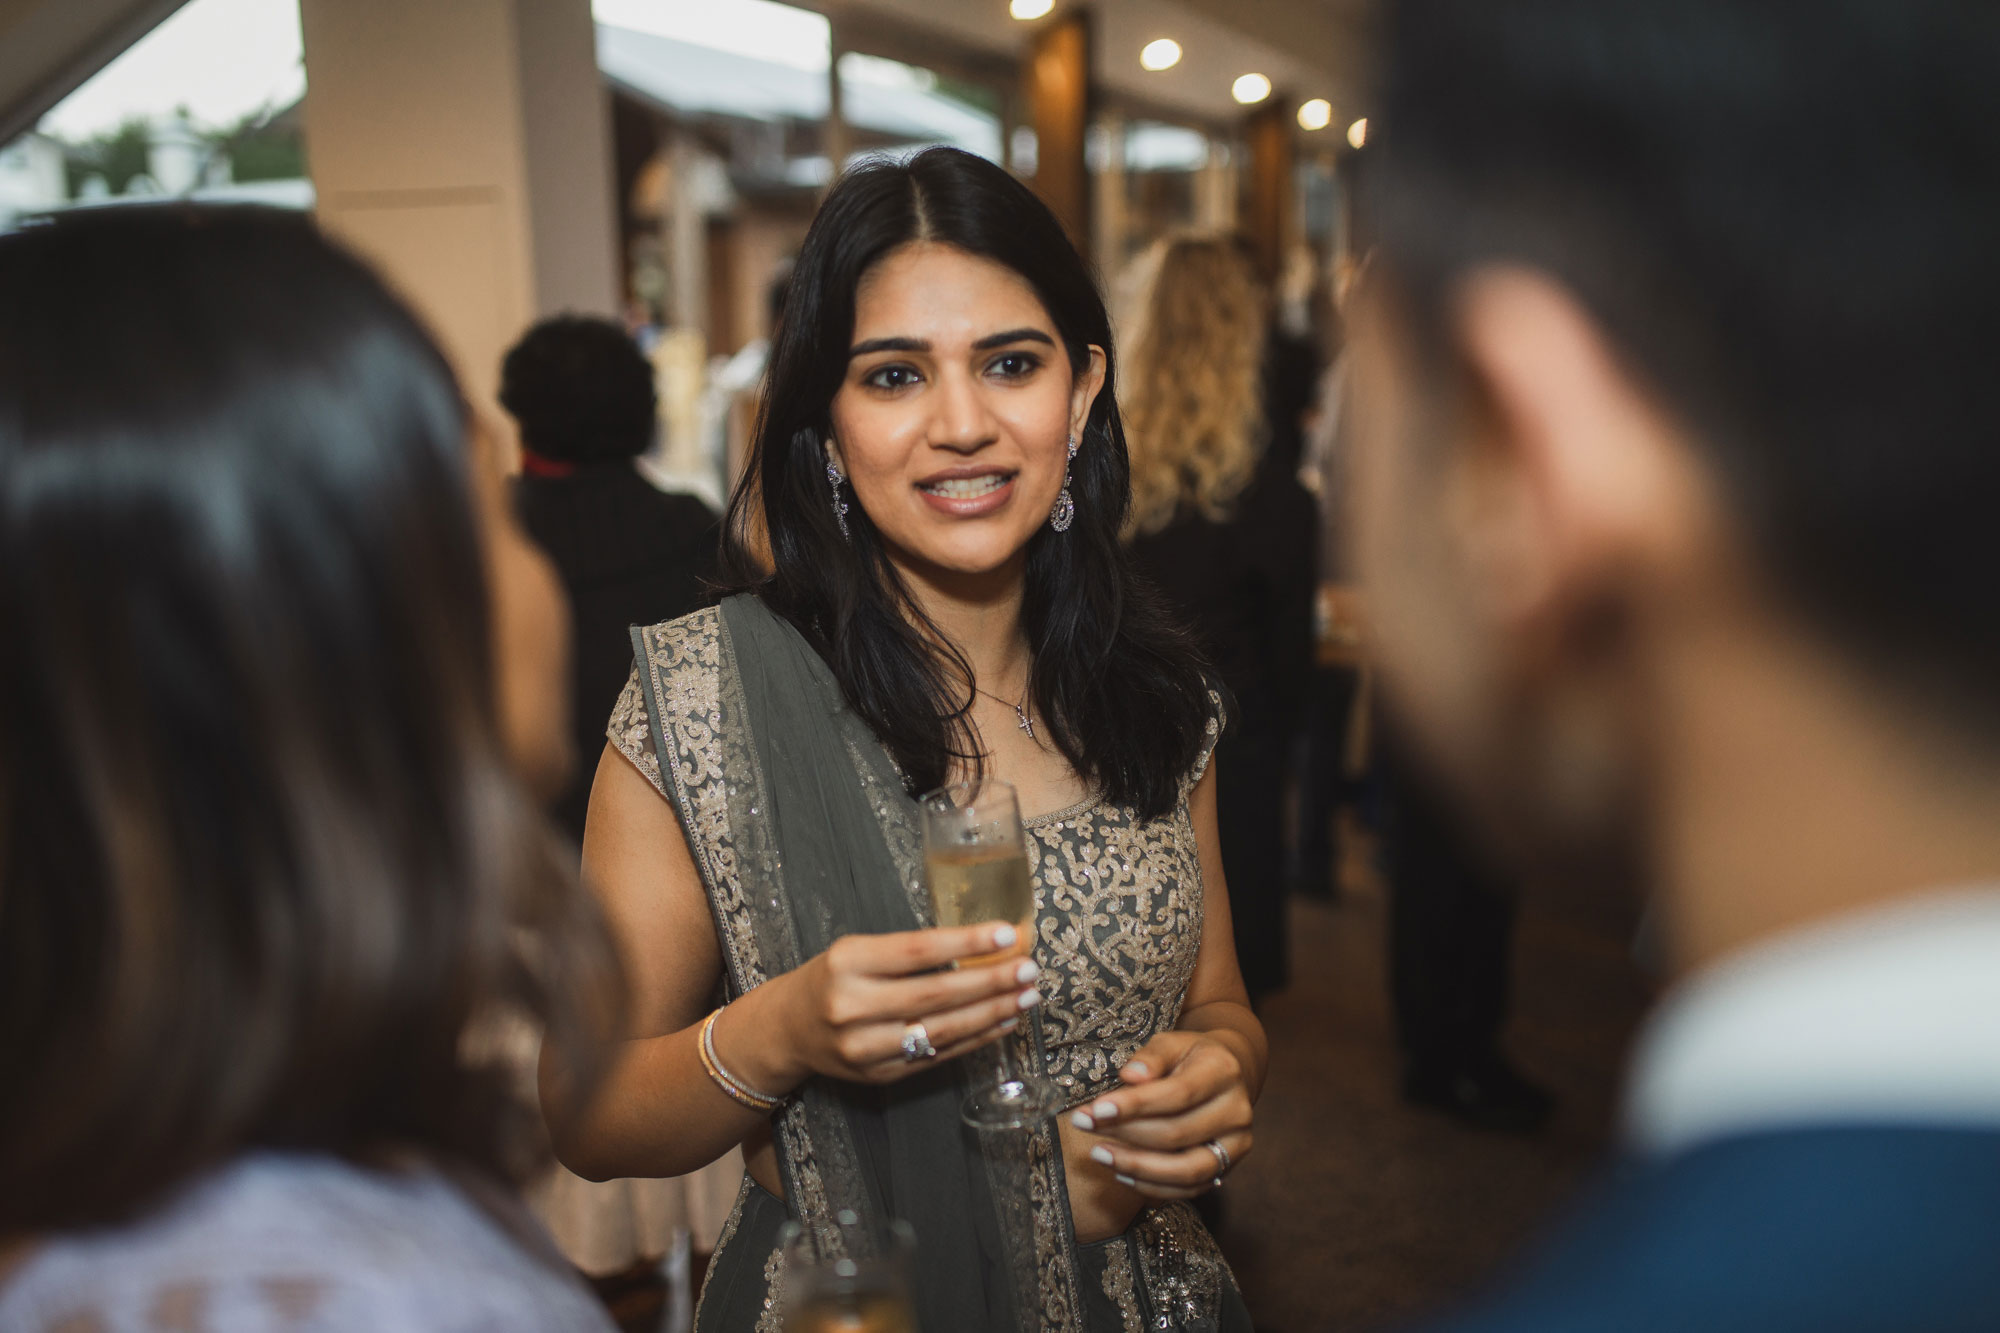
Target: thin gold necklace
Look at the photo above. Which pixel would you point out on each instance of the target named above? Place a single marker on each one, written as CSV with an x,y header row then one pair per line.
x,y
1020,709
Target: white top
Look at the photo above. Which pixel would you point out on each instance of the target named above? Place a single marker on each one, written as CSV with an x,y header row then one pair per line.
x,y
1885,1016
303,1243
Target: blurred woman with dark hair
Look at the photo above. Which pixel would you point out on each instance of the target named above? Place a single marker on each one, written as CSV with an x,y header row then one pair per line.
x,y
941,472
273,661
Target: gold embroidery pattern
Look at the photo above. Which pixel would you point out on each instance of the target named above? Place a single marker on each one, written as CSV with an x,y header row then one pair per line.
x,y
683,662
1183,1270
631,730
1118,928
773,1318
1118,1285
1118,931
1055,1248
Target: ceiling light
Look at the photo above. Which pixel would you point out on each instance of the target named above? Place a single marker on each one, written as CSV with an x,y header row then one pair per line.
x,y
1250,89
1316,114
1162,54
1357,133
1030,9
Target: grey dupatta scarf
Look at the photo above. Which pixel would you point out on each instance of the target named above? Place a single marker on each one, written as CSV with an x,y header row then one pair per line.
x,y
826,843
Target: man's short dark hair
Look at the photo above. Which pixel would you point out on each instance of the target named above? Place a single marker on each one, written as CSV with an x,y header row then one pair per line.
x,y
1786,216
580,391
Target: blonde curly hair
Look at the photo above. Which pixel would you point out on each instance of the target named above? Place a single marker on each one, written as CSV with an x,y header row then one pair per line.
x,y
1191,386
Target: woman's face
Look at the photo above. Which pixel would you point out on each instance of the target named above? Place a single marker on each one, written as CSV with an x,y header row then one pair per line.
x,y
954,418
531,663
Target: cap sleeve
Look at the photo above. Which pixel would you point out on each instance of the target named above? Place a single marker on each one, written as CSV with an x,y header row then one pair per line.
x,y
630,731
1218,722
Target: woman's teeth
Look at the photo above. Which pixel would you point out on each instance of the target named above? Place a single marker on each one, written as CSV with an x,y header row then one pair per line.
x,y
966,488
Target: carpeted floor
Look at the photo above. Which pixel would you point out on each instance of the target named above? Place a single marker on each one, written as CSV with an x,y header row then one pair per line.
x,y
1356,1211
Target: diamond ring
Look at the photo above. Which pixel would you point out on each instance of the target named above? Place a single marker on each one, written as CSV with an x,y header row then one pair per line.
x,y
1221,1162
917,1043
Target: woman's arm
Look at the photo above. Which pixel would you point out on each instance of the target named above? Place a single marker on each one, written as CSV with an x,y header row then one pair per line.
x,y
1197,1083
657,1113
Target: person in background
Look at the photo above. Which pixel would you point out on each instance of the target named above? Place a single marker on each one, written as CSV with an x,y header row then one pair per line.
x,y
1675,431
628,552
1220,522
274,661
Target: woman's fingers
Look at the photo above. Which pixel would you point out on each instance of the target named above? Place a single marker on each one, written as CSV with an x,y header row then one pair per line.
x,y
1204,1071
915,997
1170,1174
879,1047
904,952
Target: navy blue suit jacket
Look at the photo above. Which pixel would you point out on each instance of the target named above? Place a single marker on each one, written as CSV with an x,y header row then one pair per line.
x,y
1865,1230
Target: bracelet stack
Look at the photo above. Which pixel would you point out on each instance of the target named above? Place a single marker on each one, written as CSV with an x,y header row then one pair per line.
x,y
738,1091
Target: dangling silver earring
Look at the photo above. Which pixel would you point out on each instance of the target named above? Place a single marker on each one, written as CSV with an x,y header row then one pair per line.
x,y
1065,511
834,478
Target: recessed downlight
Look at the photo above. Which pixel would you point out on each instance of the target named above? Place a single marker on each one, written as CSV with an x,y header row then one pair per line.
x,y
1357,133
1316,114
1030,9
1250,89
1162,53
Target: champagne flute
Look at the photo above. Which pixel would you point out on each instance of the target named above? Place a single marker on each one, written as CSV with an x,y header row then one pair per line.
x,y
864,1287
976,860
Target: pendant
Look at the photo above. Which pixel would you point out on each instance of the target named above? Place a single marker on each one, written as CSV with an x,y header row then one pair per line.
x,y
1027,726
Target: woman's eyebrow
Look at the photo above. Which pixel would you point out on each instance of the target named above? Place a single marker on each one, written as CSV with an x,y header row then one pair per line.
x,y
1023,335
990,341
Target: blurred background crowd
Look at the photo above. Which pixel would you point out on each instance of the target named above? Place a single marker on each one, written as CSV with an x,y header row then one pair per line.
x,y
594,208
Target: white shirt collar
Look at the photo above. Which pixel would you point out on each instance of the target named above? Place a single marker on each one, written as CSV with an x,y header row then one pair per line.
x,y
1891,1015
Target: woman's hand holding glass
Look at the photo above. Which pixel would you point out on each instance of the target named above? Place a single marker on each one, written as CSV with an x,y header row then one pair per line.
x,y
847,1012
1183,1092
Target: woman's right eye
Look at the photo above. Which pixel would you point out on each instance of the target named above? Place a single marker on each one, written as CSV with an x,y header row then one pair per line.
x,y
890,377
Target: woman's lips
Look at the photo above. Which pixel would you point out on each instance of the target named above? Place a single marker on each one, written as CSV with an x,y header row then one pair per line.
x,y
968,497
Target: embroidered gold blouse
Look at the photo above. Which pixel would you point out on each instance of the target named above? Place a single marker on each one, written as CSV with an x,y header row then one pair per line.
x,y
1118,898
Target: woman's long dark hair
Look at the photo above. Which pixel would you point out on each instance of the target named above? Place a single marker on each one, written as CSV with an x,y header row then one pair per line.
x,y
1122,691
265,875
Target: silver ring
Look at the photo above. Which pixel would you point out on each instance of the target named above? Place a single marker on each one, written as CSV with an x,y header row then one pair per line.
x,y
917,1043
1221,1161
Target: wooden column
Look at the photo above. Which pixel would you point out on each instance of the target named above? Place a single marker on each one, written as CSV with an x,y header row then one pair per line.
x,y
1267,213
1058,98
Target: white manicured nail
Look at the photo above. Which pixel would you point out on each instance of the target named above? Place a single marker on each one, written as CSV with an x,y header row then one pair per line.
x,y
1082,1120
1004,937
1010,1025
1026,973
1125,1180
1030,998
1106,1110
1135,1069
1101,1155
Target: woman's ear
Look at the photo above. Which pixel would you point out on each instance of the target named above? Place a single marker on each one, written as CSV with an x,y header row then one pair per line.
x,y
1083,394
833,459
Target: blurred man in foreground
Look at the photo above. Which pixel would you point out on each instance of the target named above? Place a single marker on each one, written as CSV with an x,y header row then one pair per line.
x,y
1678,451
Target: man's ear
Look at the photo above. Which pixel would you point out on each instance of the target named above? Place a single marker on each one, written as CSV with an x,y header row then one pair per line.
x,y
1577,477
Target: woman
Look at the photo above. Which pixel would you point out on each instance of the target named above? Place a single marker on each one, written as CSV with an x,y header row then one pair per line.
x,y
271,893
1220,522
942,477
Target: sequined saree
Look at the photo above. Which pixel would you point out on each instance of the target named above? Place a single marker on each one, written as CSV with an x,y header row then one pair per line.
x,y
802,831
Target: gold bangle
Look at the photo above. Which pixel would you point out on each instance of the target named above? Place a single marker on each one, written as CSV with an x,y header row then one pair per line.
x,y
737,1090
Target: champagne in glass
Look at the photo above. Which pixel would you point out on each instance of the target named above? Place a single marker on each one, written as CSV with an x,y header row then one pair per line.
x,y
860,1286
976,859
982,882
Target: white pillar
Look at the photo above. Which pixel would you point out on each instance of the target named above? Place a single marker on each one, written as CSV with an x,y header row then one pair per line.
x,y
464,146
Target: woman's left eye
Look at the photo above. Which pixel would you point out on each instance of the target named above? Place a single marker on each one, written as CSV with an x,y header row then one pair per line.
x,y
1015,365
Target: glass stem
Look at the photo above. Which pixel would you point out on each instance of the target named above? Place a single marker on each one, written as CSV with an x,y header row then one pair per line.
x,y
1005,1049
